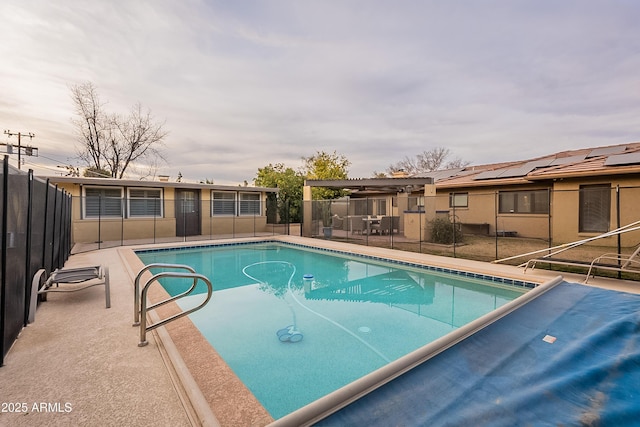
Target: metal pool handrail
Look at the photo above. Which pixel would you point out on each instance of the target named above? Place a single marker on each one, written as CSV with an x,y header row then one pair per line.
x,y
136,285
143,306
140,308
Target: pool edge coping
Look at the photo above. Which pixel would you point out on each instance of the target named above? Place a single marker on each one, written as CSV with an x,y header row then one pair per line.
x,y
333,402
189,392
427,262
194,394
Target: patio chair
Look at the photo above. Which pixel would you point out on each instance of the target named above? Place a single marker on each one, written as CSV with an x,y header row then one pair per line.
x,y
78,279
337,222
384,226
357,224
395,224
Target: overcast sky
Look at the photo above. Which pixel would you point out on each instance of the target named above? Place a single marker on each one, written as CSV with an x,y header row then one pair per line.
x,y
242,84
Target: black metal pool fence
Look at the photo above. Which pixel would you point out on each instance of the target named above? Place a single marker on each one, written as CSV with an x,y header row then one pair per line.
x,y
107,222
483,225
36,233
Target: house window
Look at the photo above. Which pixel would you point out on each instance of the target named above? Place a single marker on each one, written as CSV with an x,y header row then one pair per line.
x,y
595,208
250,204
524,202
416,203
223,203
458,200
362,206
188,202
102,202
145,202
381,207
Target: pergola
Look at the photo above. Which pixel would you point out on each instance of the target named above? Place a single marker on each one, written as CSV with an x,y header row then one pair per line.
x,y
366,187
378,185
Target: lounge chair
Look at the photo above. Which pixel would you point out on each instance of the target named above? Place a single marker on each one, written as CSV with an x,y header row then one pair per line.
x,y
78,279
616,262
608,261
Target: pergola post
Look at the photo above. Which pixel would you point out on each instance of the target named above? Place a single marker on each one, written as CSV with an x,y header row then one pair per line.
x,y
307,211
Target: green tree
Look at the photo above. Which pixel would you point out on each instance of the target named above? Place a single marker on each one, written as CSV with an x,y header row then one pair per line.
x,y
324,165
289,184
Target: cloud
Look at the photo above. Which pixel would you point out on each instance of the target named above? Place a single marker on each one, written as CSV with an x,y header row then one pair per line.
x,y
244,84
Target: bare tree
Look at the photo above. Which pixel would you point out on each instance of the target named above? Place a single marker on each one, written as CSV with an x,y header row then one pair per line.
x,y
113,142
90,125
138,137
427,161
149,170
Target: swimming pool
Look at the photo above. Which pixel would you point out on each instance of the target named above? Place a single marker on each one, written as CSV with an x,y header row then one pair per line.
x,y
354,314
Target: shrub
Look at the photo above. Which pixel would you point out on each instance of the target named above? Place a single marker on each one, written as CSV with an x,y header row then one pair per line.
x,y
444,232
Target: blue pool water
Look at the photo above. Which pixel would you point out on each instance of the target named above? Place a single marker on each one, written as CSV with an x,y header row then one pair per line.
x,y
293,340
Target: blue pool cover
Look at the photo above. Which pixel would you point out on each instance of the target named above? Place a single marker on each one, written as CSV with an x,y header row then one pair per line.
x,y
514,373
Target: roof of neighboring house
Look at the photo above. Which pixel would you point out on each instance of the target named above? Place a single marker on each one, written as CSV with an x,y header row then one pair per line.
x,y
154,184
587,162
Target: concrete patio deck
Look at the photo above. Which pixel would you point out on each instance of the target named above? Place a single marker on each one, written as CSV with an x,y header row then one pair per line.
x,y
79,363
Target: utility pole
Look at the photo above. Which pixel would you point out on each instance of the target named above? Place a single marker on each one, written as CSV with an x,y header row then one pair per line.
x,y
29,150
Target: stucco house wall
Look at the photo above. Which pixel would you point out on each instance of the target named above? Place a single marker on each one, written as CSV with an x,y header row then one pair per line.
x,y
482,213
566,205
550,185
89,230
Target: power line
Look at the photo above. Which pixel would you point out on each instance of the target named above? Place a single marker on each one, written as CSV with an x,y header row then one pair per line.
x,y
58,169
28,150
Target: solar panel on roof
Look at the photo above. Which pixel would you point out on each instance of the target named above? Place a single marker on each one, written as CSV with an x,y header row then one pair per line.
x,y
509,172
540,163
607,150
488,174
517,172
566,160
440,174
623,159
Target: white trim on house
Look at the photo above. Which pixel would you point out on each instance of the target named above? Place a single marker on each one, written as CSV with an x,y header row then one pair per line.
x,y
157,211
105,204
